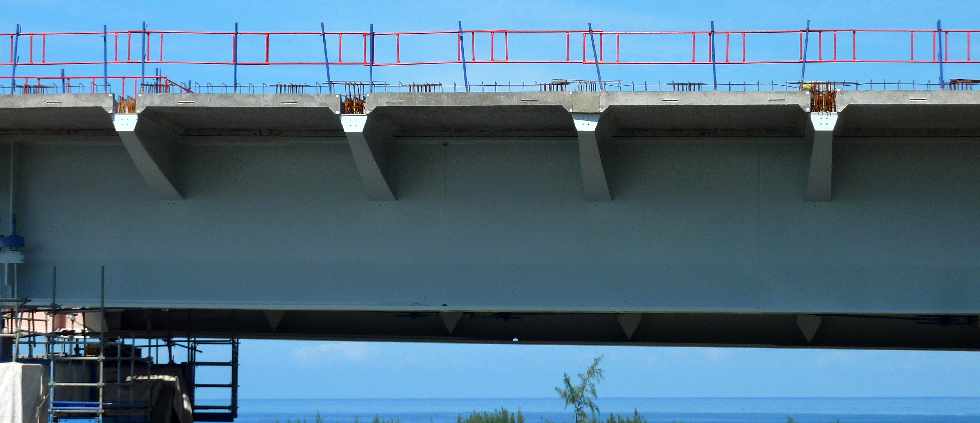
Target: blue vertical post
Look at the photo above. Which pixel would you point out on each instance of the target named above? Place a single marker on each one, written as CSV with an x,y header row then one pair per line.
x,y
371,60
462,55
714,67
142,60
326,57
64,84
105,58
806,46
939,36
13,68
595,58
234,59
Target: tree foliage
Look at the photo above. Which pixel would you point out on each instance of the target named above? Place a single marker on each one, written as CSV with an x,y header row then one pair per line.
x,y
582,395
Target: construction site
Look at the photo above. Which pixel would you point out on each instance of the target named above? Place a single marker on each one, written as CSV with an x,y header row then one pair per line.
x,y
154,221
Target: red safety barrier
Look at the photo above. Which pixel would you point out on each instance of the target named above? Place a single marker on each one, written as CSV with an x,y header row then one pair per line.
x,y
498,46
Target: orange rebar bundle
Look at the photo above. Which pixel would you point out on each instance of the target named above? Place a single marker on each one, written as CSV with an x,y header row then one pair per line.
x,y
353,105
823,96
126,105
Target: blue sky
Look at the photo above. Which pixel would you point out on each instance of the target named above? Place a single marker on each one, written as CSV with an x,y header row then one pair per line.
x,y
399,370
253,15
372,370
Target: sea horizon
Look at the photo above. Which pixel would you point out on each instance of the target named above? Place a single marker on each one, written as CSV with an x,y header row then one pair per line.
x,y
619,397
925,409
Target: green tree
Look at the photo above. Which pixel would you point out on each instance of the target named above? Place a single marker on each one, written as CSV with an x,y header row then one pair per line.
x,y
582,396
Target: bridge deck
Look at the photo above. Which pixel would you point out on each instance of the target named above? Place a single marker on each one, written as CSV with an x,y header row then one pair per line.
x,y
701,211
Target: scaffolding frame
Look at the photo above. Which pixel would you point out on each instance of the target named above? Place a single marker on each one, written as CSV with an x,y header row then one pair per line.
x,y
95,351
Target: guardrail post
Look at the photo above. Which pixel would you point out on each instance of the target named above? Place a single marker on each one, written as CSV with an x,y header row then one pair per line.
x,y
13,67
939,36
806,46
142,60
105,58
462,56
595,58
714,68
371,59
234,59
326,57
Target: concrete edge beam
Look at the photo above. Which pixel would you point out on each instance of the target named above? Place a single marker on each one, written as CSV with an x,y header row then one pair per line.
x,y
901,98
367,145
590,143
820,130
152,147
104,101
191,100
579,102
708,99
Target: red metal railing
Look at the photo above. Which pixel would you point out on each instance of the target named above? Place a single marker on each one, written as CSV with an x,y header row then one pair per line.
x,y
495,46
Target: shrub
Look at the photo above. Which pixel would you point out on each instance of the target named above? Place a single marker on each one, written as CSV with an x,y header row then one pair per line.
x,y
582,396
497,416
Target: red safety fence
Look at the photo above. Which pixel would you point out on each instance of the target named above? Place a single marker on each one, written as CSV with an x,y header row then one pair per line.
x,y
251,48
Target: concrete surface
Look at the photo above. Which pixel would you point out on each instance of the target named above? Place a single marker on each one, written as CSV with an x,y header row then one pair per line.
x,y
709,216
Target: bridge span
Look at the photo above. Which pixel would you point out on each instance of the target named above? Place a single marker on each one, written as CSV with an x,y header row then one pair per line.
x,y
614,218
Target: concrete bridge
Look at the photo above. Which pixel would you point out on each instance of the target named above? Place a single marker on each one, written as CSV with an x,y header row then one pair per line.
x,y
616,218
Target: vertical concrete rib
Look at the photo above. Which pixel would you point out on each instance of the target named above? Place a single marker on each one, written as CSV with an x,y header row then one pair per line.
x,y
367,144
152,147
590,140
820,178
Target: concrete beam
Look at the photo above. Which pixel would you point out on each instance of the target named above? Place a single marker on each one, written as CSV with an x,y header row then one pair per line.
x,y
274,317
809,324
152,146
590,142
629,322
367,144
820,178
451,320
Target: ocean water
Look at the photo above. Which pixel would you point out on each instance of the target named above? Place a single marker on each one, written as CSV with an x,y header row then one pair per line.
x,y
656,410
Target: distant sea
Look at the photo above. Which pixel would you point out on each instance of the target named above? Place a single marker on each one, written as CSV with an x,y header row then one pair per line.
x,y
656,410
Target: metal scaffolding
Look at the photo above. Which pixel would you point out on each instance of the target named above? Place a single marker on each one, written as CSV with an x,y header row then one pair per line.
x,y
95,374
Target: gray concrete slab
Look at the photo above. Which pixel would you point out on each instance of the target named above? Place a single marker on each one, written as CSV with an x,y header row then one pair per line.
x,y
245,115
909,114
56,113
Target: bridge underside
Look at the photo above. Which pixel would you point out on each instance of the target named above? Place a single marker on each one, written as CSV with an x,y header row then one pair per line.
x,y
654,218
673,329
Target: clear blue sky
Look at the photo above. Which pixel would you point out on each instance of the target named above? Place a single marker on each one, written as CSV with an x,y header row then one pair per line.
x,y
348,370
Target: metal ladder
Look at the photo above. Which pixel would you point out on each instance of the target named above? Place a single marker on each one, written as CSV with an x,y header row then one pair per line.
x,y
74,409
210,412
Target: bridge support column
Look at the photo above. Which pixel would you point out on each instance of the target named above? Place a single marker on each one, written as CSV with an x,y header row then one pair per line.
x,y
367,146
152,146
591,138
820,131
